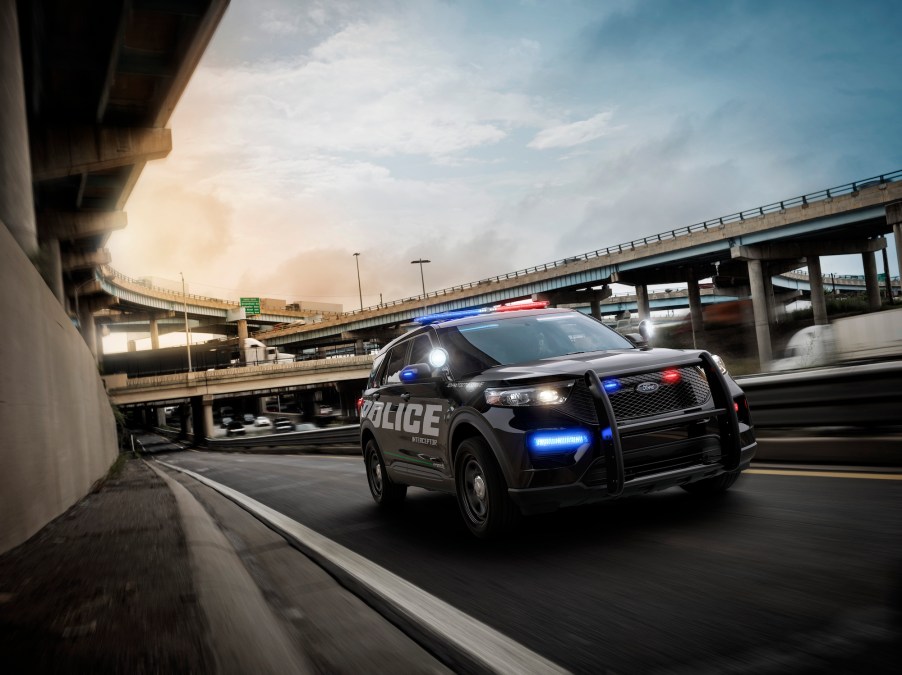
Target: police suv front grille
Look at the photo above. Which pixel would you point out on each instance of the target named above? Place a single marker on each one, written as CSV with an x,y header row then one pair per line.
x,y
690,392
580,404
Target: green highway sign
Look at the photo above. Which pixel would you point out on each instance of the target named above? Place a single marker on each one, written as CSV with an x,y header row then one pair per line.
x,y
251,305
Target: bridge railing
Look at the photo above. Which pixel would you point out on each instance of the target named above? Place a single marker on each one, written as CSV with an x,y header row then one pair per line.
x,y
178,295
198,377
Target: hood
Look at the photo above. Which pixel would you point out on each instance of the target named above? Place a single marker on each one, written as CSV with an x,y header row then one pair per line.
x,y
615,362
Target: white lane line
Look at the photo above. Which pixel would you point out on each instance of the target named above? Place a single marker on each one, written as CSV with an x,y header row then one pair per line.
x,y
826,474
476,641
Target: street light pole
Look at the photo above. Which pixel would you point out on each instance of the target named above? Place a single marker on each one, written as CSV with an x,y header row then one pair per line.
x,y
359,287
420,262
187,328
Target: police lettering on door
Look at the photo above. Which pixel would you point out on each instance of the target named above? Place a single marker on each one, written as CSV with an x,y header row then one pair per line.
x,y
412,418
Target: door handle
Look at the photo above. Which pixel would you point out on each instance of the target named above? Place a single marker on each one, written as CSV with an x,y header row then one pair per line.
x,y
405,397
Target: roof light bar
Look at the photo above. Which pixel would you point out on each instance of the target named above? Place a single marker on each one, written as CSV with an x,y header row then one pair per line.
x,y
463,313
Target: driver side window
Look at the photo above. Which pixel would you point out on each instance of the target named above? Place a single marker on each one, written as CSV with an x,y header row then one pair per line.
x,y
419,350
397,359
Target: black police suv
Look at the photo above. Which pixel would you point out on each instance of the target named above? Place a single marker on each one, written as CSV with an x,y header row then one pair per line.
x,y
527,411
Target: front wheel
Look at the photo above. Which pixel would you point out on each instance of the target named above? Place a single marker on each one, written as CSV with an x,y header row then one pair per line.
x,y
385,492
713,486
481,491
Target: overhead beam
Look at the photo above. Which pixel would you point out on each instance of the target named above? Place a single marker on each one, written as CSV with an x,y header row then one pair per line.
x,y
80,261
672,274
58,152
574,297
80,225
804,249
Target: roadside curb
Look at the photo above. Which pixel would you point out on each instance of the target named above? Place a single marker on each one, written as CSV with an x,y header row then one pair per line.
x,y
245,635
458,640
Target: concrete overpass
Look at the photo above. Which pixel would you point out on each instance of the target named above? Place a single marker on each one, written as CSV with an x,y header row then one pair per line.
x,y
201,388
741,251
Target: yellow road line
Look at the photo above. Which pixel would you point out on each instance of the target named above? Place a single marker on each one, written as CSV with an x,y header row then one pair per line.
x,y
826,474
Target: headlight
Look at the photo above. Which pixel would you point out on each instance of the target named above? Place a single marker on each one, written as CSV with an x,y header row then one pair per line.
x,y
720,365
553,393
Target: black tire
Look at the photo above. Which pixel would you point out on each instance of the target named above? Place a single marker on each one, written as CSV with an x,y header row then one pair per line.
x,y
482,496
713,486
385,493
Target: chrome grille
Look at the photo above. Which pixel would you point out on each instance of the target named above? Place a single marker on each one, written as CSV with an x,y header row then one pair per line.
x,y
690,392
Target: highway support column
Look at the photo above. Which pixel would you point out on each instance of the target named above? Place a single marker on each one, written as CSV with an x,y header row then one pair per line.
x,y
154,333
695,306
869,262
894,218
642,304
816,282
199,421
759,306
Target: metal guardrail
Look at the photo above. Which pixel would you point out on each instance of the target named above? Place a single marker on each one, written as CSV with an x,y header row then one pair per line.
x,y
344,435
867,395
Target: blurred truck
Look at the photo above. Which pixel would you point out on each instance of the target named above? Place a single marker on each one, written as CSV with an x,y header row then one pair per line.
x,y
867,337
253,352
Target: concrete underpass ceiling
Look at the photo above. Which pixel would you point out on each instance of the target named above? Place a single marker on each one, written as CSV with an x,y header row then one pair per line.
x,y
102,79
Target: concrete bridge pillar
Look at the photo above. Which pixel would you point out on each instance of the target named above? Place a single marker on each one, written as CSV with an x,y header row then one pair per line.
x,y
52,267
154,333
88,327
695,305
642,303
887,278
595,308
894,219
161,416
203,428
759,306
818,301
16,194
242,332
870,280
199,435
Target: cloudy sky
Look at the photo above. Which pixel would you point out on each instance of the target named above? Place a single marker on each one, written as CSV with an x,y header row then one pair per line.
x,y
492,136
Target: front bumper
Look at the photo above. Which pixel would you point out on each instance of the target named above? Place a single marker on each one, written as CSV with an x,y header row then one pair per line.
x,y
545,499
653,453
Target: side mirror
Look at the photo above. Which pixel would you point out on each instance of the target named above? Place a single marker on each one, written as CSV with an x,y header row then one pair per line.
x,y
417,372
638,340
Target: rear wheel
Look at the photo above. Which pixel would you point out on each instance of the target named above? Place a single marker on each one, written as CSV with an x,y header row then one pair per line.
x,y
482,492
384,491
713,486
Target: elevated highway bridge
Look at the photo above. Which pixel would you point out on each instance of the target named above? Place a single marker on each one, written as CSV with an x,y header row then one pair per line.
x,y
743,252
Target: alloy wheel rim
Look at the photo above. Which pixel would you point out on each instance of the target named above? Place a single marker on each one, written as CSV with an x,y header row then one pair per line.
x,y
475,491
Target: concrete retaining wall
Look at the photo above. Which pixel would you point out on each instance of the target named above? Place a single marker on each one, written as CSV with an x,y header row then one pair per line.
x,y
57,431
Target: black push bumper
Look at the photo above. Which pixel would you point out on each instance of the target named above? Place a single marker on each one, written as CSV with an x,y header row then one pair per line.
x,y
728,448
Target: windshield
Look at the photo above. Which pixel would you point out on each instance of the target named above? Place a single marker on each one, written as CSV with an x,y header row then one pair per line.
x,y
508,340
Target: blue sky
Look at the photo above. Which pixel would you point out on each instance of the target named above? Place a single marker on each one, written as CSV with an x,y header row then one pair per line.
x,y
492,136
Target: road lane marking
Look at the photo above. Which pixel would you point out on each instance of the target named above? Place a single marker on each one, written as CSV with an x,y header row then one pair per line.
x,y
826,474
473,644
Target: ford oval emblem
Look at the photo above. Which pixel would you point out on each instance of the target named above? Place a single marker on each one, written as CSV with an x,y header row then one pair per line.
x,y
647,387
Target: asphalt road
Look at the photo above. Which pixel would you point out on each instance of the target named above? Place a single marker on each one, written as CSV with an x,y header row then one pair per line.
x,y
785,573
